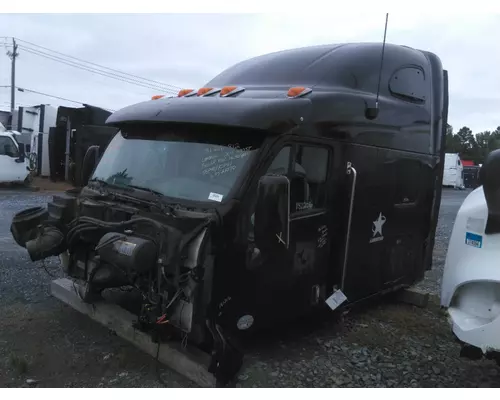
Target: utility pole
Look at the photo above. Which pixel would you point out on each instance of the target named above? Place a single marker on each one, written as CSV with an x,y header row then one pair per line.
x,y
13,55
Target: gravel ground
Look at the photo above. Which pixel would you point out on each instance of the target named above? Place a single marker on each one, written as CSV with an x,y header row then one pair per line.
x,y
388,344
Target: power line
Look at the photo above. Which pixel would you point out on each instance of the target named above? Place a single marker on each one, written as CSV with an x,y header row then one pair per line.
x,y
95,71
56,97
174,88
89,69
17,104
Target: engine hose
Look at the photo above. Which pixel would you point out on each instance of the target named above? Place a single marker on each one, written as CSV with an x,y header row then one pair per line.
x,y
72,231
119,224
75,231
79,232
114,225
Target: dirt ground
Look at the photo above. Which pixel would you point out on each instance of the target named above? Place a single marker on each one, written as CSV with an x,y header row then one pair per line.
x,y
36,184
46,185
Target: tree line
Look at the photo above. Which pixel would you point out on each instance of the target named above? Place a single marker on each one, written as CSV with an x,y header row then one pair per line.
x,y
470,146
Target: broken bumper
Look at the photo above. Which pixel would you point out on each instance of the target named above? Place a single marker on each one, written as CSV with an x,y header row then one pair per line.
x,y
474,314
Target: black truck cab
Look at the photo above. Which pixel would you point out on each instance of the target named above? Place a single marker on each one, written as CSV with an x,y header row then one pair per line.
x,y
286,179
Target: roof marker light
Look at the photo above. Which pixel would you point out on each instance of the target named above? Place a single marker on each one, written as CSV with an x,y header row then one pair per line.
x,y
184,92
204,91
157,96
298,91
230,90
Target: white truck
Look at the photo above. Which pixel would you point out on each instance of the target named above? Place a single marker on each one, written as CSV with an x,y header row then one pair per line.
x,y
471,280
453,175
13,168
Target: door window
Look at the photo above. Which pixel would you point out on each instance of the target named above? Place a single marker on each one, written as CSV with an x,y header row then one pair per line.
x,y
307,173
7,147
308,184
306,167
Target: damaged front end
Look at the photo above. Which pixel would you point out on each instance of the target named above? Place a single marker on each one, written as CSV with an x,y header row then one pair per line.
x,y
107,242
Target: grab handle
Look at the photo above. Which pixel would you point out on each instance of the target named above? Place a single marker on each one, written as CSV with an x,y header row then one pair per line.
x,y
349,171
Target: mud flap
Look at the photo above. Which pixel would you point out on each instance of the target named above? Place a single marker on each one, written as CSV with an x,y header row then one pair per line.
x,y
226,359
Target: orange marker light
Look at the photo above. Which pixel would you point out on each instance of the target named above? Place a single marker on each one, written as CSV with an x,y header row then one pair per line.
x,y
204,90
158,96
227,89
298,91
184,92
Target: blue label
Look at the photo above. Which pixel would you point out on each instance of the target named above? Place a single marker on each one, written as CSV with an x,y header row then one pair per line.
x,y
471,239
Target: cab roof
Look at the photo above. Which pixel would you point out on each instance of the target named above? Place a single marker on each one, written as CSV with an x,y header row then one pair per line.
x,y
349,65
341,82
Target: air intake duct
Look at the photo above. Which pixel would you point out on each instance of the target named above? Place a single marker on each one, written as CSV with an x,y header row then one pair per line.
x,y
50,242
25,224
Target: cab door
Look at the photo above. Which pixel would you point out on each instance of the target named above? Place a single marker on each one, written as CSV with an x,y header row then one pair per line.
x,y
289,276
310,223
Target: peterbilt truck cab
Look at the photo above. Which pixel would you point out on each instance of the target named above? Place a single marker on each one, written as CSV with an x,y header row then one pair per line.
x,y
297,181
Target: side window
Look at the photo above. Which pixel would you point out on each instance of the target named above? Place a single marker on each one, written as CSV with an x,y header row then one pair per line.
x,y
7,147
409,84
308,178
307,175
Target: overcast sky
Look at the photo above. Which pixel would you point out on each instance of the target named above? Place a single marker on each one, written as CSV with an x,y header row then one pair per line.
x,y
187,50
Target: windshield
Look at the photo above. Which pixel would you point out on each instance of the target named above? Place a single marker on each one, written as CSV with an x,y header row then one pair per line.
x,y
195,164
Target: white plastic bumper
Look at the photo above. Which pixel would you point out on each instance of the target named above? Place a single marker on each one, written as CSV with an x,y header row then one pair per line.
x,y
471,280
475,314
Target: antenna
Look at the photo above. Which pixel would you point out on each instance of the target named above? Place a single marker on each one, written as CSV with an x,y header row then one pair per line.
x,y
371,113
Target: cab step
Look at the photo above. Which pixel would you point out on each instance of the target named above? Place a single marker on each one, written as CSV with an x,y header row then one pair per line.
x,y
414,296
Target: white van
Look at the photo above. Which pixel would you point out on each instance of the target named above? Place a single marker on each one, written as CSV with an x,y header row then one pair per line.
x,y
453,175
13,167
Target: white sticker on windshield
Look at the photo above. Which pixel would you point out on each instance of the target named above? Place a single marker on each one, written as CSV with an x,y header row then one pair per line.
x,y
215,197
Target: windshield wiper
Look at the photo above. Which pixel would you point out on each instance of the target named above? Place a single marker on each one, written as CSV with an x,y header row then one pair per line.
x,y
104,183
146,189
159,197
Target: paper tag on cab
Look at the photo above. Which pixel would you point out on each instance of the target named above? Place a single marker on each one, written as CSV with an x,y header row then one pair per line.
x,y
336,299
215,197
